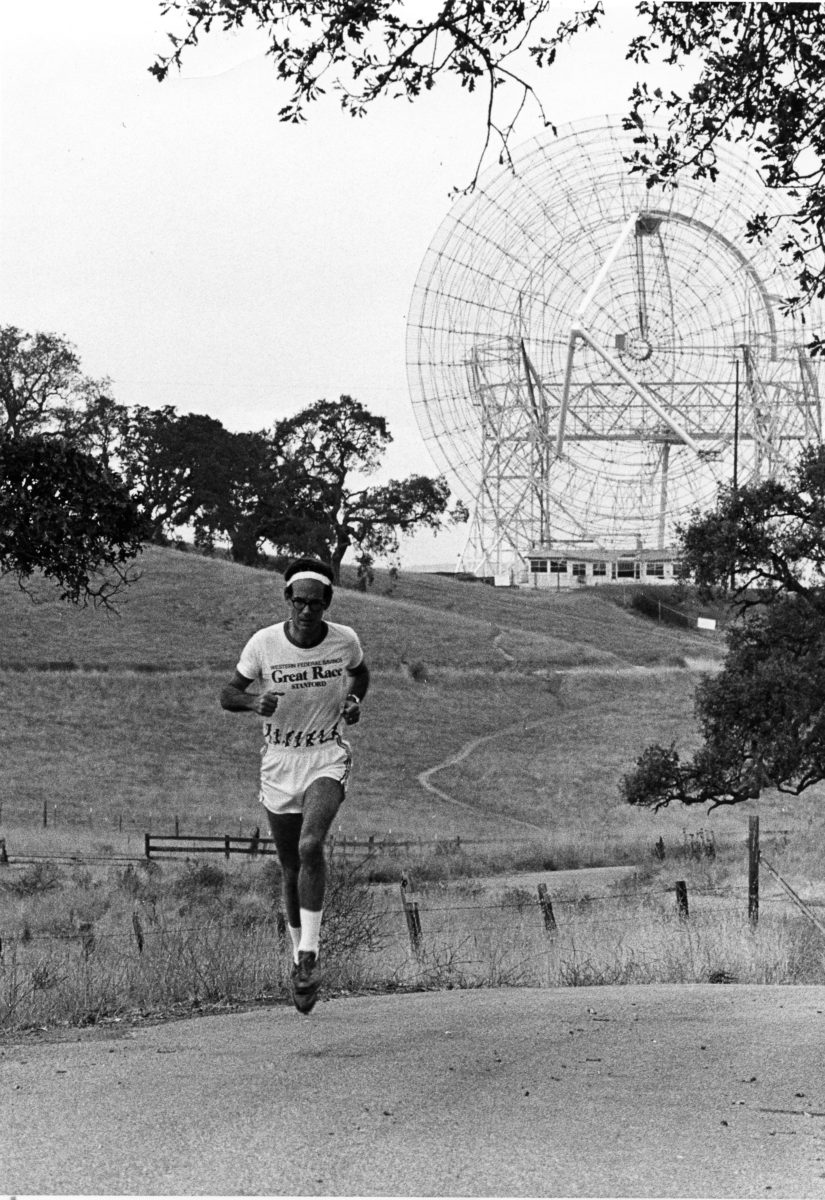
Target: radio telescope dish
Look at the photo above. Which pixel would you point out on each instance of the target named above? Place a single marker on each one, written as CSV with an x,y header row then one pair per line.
x,y
590,358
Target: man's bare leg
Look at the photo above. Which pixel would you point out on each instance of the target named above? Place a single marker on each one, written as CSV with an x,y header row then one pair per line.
x,y
286,833
322,800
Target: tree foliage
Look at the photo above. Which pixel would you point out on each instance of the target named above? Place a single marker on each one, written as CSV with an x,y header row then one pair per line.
x,y
66,516
762,82
41,384
762,717
338,442
760,78
63,511
366,50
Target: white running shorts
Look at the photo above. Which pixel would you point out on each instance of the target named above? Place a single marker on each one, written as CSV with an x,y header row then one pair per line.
x,y
286,774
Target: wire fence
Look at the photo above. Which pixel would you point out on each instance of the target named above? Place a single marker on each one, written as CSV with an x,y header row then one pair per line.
x,y
439,904
436,910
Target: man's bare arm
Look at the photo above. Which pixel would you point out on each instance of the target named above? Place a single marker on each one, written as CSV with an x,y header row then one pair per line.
x,y
235,698
358,683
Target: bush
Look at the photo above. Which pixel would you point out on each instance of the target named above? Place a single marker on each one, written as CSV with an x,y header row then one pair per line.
x,y
38,879
199,878
351,923
143,883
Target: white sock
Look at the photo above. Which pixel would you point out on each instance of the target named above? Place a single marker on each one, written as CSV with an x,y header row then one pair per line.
x,y
295,934
310,930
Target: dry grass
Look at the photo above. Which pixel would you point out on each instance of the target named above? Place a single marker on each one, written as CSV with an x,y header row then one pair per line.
x,y
119,749
189,612
557,695
187,937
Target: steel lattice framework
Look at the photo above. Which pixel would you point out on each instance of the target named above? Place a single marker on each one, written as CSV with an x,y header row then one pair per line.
x,y
590,358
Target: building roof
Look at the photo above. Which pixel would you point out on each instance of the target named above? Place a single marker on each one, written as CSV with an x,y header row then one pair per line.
x,y
590,553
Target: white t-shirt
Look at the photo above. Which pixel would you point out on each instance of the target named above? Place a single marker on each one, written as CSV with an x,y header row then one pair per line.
x,y
311,683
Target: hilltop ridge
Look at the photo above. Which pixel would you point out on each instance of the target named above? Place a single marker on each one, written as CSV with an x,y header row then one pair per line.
x,y
189,612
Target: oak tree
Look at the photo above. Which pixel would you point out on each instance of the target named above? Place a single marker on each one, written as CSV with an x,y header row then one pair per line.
x,y
65,516
336,444
762,716
64,512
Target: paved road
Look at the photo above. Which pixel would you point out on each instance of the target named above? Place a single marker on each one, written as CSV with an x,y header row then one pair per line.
x,y
616,1091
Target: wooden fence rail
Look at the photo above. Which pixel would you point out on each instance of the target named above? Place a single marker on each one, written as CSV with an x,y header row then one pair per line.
x,y
339,847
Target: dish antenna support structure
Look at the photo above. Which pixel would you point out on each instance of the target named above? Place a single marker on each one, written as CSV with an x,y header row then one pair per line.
x,y
589,358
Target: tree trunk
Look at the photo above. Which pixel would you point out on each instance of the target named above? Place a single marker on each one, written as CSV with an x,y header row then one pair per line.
x,y
341,547
245,545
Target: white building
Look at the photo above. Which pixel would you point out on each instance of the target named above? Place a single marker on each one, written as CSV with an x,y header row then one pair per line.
x,y
585,565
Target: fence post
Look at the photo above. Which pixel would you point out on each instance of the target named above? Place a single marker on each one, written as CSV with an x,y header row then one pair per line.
x,y
409,899
226,848
87,937
138,928
4,856
147,845
682,899
753,869
547,910
800,904
177,827
45,814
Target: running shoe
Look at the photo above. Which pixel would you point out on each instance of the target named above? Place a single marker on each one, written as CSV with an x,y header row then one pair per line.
x,y
306,980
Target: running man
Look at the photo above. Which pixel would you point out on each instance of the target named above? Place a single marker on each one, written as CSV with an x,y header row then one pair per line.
x,y
310,674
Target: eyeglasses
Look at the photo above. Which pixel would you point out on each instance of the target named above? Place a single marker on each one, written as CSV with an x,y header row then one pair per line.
x,y
314,606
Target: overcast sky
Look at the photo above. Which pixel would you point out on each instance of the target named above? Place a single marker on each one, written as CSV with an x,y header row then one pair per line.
x,y
199,253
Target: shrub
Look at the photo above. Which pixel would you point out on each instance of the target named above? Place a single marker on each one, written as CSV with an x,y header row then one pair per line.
x,y
352,925
39,878
199,878
141,884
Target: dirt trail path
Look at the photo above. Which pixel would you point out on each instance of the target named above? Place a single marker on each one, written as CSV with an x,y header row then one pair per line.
x,y
425,777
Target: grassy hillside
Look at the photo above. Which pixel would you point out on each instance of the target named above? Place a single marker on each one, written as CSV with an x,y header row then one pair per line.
x,y
567,688
189,612
526,712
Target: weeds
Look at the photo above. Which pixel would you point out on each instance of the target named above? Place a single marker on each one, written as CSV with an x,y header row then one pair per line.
x,y
36,881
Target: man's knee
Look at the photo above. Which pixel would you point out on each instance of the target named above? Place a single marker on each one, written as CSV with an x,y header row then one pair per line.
x,y
311,848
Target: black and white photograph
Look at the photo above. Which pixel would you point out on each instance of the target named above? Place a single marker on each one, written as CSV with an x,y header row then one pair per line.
x,y
412,598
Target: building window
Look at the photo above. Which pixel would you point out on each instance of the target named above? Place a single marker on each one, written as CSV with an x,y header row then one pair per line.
x,y
579,569
558,566
656,569
627,568
538,566
599,568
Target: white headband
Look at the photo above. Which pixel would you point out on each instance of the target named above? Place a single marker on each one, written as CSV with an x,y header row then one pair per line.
x,y
308,575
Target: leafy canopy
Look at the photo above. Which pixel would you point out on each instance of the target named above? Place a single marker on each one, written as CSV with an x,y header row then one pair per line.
x,y
366,50
758,70
66,516
762,717
762,82
337,443
63,511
